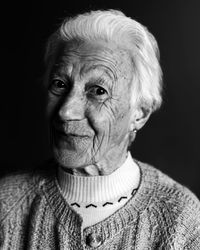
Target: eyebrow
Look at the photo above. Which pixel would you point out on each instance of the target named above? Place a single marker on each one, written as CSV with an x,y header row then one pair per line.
x,y
57,71
100,80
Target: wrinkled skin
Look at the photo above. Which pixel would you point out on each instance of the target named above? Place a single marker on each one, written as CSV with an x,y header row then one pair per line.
x,y
89,107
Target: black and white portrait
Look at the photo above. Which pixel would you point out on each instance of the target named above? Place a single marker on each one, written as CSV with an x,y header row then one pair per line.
x,y
100,126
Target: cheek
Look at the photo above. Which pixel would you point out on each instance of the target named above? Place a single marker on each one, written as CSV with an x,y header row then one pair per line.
x,y
111,123
121,128
98,120
51,106
122,120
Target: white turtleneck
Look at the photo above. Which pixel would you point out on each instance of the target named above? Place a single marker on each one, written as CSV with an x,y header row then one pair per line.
x,y
97,197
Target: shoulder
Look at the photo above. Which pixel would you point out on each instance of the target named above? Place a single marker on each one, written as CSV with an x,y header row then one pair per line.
x,y
173,206
166,189
19,187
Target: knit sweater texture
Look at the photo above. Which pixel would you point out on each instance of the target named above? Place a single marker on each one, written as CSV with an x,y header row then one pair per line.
x,y
34,215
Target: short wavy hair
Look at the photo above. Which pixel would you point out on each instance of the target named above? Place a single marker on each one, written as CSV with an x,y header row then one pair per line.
x,y
113,26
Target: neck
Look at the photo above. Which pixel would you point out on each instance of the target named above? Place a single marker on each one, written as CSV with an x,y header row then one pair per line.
x,y
106,166
98,189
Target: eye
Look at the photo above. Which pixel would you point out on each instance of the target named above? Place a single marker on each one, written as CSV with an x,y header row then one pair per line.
x,y
58,87
97,91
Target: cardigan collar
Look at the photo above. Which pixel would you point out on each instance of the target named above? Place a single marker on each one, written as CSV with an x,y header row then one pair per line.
x,y
109,227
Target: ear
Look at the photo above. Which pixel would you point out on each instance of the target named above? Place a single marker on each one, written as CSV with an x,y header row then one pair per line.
x,y
139,118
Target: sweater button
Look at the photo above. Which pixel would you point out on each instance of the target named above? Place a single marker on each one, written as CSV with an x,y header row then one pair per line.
x,y
93,240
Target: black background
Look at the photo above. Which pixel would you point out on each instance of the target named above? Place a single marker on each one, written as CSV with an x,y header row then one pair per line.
x,y
169,141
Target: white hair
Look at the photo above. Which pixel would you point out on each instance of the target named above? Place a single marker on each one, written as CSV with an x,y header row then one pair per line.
x,y
114,26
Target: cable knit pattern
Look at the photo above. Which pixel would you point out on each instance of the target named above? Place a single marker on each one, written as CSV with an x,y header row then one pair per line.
x,y
34,215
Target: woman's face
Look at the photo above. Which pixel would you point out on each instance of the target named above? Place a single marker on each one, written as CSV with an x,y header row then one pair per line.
x,y
89,105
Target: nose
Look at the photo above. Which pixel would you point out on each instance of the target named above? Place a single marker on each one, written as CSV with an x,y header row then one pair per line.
x,y
72,108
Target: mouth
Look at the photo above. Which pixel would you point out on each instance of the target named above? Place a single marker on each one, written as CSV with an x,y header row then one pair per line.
x,y
70,134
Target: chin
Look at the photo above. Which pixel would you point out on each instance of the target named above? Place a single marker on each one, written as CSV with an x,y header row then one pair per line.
x,y
72,159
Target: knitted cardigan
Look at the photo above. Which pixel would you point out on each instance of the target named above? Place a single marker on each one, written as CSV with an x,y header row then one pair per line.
x,y
161,215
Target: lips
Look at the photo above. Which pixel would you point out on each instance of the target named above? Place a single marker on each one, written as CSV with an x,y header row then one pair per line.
x,y
70,131
62,133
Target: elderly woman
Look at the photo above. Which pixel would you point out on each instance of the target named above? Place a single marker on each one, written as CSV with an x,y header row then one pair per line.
x,y
103,81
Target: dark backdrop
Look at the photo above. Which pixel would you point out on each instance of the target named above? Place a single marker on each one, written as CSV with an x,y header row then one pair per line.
x,y
169,141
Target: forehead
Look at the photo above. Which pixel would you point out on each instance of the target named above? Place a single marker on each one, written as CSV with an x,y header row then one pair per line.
x,y
86,57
